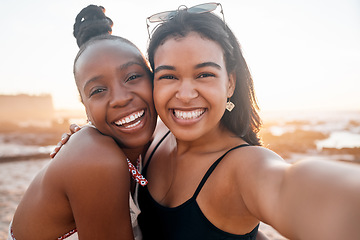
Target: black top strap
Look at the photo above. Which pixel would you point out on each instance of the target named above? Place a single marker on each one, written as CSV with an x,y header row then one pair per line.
x,y
212,168
152,153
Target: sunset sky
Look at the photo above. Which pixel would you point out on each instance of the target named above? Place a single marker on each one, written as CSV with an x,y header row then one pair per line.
x,y
303,54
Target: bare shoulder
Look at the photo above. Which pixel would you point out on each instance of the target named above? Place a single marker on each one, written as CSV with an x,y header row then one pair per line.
x,y
258,173
89,144
88,152
90,137
256,157
90,173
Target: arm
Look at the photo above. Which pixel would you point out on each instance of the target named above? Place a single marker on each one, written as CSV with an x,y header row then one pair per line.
x,y
97,185
305,200
322,199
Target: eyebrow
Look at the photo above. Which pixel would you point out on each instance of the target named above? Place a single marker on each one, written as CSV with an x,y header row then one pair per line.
x,y
91,80
120,68
164,67
128,64
208,64
200,65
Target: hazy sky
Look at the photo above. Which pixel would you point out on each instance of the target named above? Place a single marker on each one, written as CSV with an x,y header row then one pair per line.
x,y
303,54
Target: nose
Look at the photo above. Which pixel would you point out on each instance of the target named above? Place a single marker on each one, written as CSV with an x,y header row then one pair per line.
x,y
186,91
120,96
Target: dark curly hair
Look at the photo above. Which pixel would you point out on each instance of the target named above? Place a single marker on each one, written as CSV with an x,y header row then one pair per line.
x,y
244,120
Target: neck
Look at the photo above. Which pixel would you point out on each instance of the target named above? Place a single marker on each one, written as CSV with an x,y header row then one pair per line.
x,y
133,153
214,141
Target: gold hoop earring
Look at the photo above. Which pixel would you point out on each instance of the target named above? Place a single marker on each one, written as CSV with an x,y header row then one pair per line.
x,y
229,105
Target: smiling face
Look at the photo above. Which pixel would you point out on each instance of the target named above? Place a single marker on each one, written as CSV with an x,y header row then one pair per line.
x,y
115,87
191,86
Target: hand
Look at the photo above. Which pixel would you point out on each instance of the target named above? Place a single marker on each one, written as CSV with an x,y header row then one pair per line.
x,y
64,138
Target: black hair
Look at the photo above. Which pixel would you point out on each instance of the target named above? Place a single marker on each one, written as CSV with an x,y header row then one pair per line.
x,y
91,24
91,21
244,120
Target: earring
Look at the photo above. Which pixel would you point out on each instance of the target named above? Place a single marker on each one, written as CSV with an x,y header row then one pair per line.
x,y
89,122
229,105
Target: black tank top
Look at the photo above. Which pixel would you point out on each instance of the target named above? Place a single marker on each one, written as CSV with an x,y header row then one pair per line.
x,y
184,222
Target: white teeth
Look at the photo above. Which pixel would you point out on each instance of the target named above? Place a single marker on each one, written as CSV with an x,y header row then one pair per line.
x,y
130,118
133,125
188,114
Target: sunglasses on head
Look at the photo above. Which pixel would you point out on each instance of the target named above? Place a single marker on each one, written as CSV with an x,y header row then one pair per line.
x,y
167,15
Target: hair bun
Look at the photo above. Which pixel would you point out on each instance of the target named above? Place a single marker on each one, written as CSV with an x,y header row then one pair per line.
x,y
91,22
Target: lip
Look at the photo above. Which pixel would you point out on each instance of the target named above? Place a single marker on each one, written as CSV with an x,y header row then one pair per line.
x,y
131,122
187,116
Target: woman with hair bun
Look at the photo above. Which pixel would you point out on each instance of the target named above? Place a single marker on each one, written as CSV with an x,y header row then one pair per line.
x,y
84,191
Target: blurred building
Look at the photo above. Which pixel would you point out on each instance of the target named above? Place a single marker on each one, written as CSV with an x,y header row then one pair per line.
x,y
26,108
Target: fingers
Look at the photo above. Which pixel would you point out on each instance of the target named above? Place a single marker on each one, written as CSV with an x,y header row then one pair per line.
x,y
64,138
56,150
74,128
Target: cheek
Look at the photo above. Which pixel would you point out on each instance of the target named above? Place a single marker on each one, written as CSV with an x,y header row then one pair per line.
x,y
157,102
160,97
216,96
145,90
95,111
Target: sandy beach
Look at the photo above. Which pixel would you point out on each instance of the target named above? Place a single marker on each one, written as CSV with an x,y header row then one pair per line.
x,y
15,178
327,136
17,175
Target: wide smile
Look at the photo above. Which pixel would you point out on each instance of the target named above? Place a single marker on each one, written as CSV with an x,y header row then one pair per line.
x,y
130,121
189,114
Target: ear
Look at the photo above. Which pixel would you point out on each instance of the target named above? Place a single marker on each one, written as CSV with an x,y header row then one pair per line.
x,y
232,84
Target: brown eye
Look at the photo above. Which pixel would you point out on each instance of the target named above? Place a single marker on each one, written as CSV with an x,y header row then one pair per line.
x,y
133,77
96,91
167,77
204,75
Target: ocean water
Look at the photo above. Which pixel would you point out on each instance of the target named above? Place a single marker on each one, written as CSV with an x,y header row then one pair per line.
x,y
18,144
343,128
15,150
339,140
13,147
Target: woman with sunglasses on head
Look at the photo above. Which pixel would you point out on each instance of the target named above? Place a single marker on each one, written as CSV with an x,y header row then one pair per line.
x,y
209,178
85,191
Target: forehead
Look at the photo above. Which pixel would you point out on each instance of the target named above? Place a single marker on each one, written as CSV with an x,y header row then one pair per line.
x,y
193,47
107,50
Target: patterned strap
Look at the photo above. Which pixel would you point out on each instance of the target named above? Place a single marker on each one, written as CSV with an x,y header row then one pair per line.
x,y
135,173
59,238
67,234
11,232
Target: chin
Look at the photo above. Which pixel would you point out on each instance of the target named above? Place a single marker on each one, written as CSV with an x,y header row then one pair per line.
x,y
186,135
138,142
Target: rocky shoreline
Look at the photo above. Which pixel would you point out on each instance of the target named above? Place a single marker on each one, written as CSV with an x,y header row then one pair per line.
x,y
25,150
